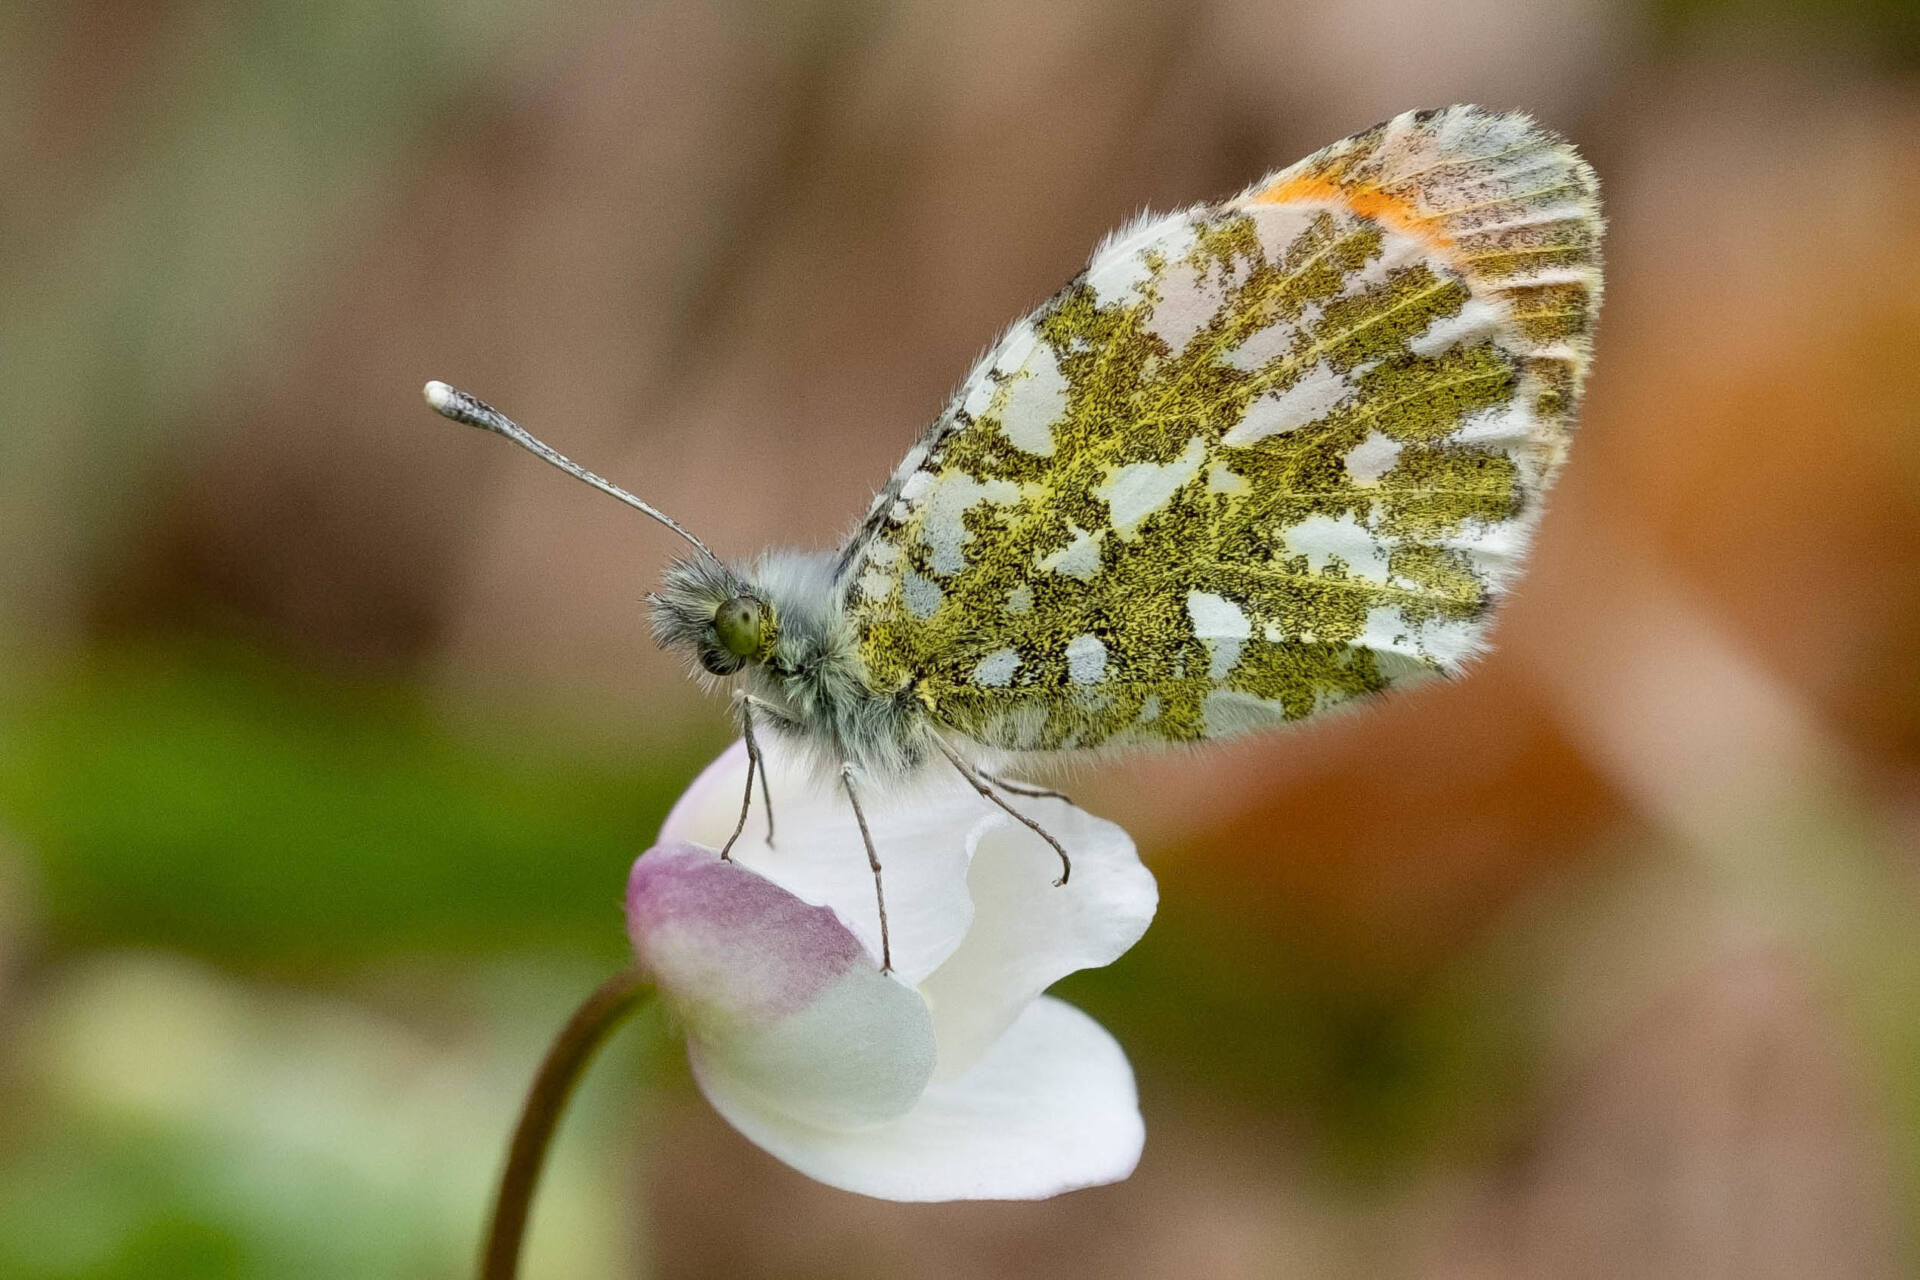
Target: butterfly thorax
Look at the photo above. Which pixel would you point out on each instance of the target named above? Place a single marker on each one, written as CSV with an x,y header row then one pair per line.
x,y
795,655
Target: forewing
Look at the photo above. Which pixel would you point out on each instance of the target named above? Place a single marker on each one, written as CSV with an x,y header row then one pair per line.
x,y
1259,459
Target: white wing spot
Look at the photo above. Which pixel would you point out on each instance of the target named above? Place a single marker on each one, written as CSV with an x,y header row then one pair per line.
x,y
1396,251
1149,708
1511,425
997,668
1033,403
1479,318
911,463
983,386
1319,538
1086,659
980,394
1222,625
1261,346
1120,266
1443,643
1020,599
1312,398
942,527
1451,642
1080,559
1185,307
922,594
1139,489
1386,631
1372,458
1114,277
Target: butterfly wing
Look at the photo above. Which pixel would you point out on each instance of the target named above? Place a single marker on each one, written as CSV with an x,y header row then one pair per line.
x,y
1260,458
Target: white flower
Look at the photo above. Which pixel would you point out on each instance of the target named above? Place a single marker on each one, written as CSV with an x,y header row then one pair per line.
x,y
954,1077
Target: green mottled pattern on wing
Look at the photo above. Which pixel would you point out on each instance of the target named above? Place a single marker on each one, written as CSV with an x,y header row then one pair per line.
x,y
1260,459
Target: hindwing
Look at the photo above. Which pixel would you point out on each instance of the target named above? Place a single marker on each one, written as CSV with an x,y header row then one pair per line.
x,y
1260,458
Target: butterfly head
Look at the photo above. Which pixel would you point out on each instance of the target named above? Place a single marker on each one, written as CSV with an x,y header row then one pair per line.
x,y
710,610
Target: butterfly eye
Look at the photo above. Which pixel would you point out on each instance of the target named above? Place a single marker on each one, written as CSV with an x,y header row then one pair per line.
x,y
737,624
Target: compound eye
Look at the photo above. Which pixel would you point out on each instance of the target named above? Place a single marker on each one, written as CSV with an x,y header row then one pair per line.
x,y
737,625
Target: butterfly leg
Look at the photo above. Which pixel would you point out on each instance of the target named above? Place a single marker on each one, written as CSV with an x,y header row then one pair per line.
x,y
753,764
1021,789
766,792
980,785
756,764
873,861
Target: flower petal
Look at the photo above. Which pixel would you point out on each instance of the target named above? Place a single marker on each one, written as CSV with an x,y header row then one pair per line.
x,y
1026,933
780,1001
920,831
1050,1107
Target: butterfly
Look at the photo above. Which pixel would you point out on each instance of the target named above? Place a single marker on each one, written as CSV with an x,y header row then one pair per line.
x,y
1260,459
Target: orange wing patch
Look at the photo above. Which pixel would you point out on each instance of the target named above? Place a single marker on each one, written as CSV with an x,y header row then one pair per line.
x,y
1365,199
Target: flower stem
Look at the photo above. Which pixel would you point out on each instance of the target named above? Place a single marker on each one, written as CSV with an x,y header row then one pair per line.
x,y
560,1070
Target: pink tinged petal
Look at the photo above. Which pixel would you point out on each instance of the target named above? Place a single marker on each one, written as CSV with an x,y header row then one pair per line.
x,y
1050,1107
781,1003
920,831
727,946
1026,933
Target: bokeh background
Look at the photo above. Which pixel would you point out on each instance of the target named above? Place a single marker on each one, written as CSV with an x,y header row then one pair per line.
x,y
328,730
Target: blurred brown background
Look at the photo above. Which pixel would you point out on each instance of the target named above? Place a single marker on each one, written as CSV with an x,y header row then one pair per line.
x,y
327,730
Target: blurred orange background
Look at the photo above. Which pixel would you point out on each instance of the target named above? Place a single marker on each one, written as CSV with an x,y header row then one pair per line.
x,y
327,730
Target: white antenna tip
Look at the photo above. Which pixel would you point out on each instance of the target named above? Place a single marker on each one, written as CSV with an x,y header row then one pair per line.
x,y
450,402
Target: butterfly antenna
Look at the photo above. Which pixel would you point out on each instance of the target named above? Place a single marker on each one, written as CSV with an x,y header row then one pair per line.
x,y
450,402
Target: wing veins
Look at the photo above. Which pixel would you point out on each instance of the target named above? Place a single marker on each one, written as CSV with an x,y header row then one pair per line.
x,y
1217,343
1365,586
1422,492
1359,413
1295,360
1530,251
1284,364
1406,179
1518,197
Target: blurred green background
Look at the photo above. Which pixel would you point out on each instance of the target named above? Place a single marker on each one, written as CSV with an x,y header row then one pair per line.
x,y
328,732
